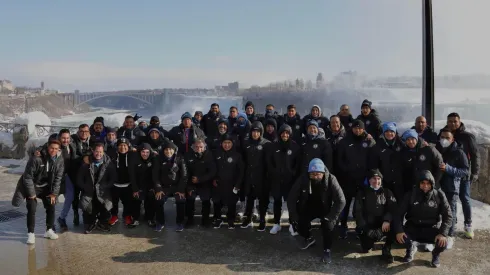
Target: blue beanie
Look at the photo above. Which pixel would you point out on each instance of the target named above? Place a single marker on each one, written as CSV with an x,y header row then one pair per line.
x,y
316,165
312,122
389,126
410,134
186,115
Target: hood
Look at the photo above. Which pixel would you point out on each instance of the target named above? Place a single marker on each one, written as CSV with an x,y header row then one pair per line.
x,y
319,109
372,114
244,116
271,121
285,127
295,118
257,125
320,136
426,175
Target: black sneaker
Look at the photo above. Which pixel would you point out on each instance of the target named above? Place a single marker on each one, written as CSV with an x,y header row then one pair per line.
x,y
261,227
327,258
247,223
89,228
217,224
151,223
308,242
231,225
435,261
62,223
387,257
410,254
343,232
76,218
104,227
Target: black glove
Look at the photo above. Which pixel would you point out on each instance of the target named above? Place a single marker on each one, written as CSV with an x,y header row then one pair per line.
x,y
136,117
474,178
375,234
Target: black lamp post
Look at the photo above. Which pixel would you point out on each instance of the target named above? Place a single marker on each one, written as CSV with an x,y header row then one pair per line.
x,y
428,63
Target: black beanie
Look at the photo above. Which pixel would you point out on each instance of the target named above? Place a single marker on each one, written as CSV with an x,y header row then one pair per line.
x,y
374,172
99,119
227,137
358,124
145,146
366,103
169,144
154,119
249,103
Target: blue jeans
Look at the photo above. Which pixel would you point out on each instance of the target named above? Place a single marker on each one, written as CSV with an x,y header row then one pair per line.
x,y
452,198
69,195
464,196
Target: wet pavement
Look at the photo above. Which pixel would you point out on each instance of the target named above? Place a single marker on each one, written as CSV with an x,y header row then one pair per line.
x,y
204,251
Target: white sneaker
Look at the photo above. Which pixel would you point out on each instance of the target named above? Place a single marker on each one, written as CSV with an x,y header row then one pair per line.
x,y
429,247
450,243
50,235
276,228
291,230
31,238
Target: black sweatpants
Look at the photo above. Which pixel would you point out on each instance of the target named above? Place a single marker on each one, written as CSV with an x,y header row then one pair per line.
x,y
230,202
263,204
349,197
76,198
190,203
97,213
125,195
422,235
304,226
278,203
31,204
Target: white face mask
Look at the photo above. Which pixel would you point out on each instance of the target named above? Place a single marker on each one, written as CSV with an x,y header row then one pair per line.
x,y
444,143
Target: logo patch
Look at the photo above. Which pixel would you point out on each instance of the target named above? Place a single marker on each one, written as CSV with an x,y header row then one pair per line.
x,y
368,122
259,147
230,160
432,204
297,127
422,157
315,146
149,164
364,144
350,124
290,152
398,149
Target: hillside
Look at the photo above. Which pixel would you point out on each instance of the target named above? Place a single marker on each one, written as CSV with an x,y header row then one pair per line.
x,y
51,105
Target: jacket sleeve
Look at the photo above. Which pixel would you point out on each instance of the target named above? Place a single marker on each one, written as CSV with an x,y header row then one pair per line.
x,y
58,176
183,176
390,207
240,172
211,173
400,215
446,214
341,156
80,179
338,200
111,169
155,171
360,222
200,133
463,169
29,176
373,158
328,156
474,155
133,178
436,161
293,199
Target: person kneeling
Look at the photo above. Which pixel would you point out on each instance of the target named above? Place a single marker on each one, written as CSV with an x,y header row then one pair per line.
x,y
317,195
375,209
423,208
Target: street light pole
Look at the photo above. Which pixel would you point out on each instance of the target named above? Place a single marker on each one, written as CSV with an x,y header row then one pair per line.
x,y
428,63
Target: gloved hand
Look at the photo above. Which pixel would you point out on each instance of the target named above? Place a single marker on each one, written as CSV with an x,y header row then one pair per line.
x,y
375,234
474,178
136,117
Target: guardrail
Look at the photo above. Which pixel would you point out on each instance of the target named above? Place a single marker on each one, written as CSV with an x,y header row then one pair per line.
x,y
41,130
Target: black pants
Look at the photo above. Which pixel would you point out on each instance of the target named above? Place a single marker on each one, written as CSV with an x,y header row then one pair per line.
x,y
125,194
344,216
278,207
230,202
76,198
263,204
159,206
31,204
190,203
98,212
304,226
367,240
422,235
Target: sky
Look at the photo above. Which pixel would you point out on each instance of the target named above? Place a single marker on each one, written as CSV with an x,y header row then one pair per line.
x,y
105,45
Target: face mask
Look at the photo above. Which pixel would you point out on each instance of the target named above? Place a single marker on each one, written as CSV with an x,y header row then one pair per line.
x,y
444,143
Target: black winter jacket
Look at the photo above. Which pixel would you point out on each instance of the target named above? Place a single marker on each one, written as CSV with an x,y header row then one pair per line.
x,y
201,166
284,165
372,123
318,147
209,123
255,156
170,174
373,207
457,167
135,135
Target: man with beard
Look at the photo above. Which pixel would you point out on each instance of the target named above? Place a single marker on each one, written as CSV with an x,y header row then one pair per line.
x,y
294,120
98,131
227,182
428,216
316,195
110,146
141,182
468,142
270,126
122,184
345,116
131,132
250,111
370,119
232,118
186,133
155,124
170,176
424,130
353,154
215,143
255,151
201,172
316,115
156,140
386,156
196,120
96,180
315,145
283,169
81,140
209,122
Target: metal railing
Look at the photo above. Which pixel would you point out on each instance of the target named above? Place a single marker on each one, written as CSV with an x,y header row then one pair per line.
x,y
41,130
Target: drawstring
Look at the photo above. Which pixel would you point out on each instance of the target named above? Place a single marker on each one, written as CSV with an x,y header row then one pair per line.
x,y
117,160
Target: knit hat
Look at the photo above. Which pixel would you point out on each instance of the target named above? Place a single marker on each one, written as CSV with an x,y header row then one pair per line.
x,y
154,130
169,144
99,119
389,126
186,115
285,128
144,146
111,130
358,124
198,113
249,103
316,165
227,137
154,119
312,122
122,140
374,172
366,103
411,133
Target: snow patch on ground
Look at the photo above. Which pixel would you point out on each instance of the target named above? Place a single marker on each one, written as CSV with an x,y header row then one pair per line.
x,y
31,120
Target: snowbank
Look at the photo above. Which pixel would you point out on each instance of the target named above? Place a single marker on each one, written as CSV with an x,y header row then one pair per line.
x,y
479,129
6,139
114,120
31,119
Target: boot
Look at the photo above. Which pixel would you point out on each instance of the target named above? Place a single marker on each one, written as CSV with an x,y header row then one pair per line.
x,y
386,254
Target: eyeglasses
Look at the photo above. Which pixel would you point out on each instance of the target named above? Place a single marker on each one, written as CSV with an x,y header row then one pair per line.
x,y
84,132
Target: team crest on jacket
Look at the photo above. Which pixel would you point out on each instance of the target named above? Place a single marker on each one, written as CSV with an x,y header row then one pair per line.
x,y
350,124
297,127
230,159
290,152
432,204
364,144
422,157
368,122
259,147
398,149
149,164
315,146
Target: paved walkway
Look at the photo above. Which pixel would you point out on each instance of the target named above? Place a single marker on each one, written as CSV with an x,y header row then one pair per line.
x,y
203,251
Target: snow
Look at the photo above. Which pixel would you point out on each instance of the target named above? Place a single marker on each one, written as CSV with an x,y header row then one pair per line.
x,y
6,139
31,120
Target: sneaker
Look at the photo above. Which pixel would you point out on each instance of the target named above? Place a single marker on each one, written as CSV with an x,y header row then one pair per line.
x,y
261,227
151,223
231,225
450,243
275,228
113,220
76,218
89,228
292,231
343,232
468,231
247,224
435,261
134,223
63,225
50,235
104,227
158,228
128,220
308,242
180,227
327,258
31,238
429,247
386,255
410,254
217,224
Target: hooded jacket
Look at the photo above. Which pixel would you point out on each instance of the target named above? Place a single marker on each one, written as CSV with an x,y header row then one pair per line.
x,y
178,136
297,126
163,132
209,123
457,167
255,156
373,207
135,135
322,121
201,166
170,174
214,144
157,144
424,209
142,171
229,175
242,130
317,147
372,122
273,136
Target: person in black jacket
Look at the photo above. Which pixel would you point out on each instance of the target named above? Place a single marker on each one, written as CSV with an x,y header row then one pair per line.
x,y
196,120
96,180
334,134
142,182
122,184
316,115
283,169
129,131
42,179
370,118
315,145
386,156
214,144
155,124
254,151
345,117
352,157
227,182
110,145
424,208
293,119
209,122
316,195
250,111
270,126
81,140
156,140
270,114
468,143
170,176
375,210
201,172
455,167
186,134
424,130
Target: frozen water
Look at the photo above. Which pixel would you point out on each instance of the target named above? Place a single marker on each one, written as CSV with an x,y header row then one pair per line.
x,y
31,120
6,139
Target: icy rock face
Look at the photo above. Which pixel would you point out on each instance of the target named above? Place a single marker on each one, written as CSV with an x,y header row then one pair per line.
x,y
480,190
32,119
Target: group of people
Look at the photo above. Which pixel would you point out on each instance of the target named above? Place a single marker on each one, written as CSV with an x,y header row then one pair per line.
x,y
404,187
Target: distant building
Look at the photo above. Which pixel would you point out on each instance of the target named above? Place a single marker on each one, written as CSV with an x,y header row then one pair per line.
x,y
6,87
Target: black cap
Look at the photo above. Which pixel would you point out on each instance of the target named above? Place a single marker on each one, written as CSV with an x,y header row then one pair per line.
x,y
169,144
227,137
358,124
374,172
154,119
366,103
99,119
144,146
123,140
